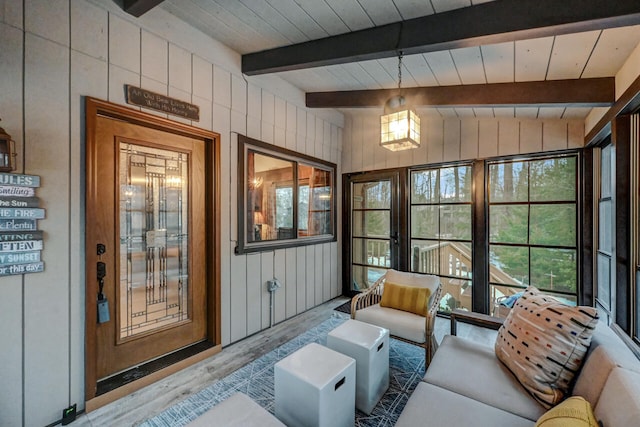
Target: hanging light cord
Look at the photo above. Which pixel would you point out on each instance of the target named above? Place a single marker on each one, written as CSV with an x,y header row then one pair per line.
x,y
400,71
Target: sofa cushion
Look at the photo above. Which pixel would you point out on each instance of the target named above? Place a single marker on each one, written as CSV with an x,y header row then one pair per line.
x,y
399,323
406,298
238,410
619,405
435,406
606,352
543,342
413,279
573,412
474,371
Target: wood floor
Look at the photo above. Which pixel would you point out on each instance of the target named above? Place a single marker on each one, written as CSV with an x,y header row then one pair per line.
x,y
148,402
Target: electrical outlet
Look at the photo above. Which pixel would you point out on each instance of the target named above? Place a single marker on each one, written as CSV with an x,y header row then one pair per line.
x,y
272,285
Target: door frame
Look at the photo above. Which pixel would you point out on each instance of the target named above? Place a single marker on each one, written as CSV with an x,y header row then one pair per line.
x,y
398,178
94,108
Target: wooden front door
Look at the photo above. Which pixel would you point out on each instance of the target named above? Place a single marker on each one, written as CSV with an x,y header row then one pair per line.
x,y
147,228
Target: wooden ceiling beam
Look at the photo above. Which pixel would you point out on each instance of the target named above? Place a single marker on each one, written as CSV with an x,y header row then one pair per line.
x,y
138,8
596,92
486,23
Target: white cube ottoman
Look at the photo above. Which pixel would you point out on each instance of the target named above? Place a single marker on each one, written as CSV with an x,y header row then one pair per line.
x,y
369,346
237,410
315,386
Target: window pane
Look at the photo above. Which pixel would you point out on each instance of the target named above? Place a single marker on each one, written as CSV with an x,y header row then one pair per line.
x,y
553,179
320,203
554,269
605,171
303,207
605,230
364,277
508,224
424,222
425,256
553,225
456,293
604,281
424,186
284,207
508,182
371,224
372,195
371,252
455,222
509,265
502,299
455,184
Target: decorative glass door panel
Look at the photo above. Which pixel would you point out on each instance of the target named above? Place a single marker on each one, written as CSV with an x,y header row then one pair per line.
x,y
154,239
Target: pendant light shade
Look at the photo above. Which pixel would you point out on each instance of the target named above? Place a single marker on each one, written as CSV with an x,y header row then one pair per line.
x,y
399,125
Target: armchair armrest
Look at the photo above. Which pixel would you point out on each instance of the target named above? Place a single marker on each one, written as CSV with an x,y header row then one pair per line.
x,y
367,298
476,319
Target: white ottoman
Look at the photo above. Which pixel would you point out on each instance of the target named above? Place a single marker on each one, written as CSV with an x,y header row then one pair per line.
x,y
315,386
369,345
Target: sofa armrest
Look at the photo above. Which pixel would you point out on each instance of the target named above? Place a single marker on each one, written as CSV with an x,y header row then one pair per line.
x,y
476,319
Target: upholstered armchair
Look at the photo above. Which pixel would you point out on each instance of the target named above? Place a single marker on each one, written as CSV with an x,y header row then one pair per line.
x,y
403,324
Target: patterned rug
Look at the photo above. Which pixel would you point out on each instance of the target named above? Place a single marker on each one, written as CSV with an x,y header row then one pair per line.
x,y
406,369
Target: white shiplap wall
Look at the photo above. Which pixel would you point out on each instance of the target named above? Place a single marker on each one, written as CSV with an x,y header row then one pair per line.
x,y
53,54
451,139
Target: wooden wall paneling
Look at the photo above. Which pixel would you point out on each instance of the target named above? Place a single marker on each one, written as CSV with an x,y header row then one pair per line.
x,y
291,126
280,122
268,117
335,261
381,156
46,300
267,273
420,155
508,137
290,282
357,144
11,12
370,140
239,297
124,44
318,282
239,94
221,86
488,138
180,72
154,60
530,136
451,140
327,141
301,278
39,16
301,131
182,95
89,78
575,134
435,140
333,146
154,86
310,135
554,135
469,139
318,139
254,293
345,155
202,78
280,273
11,291
89,29
118,77
254,111
326,271
206,113
310,276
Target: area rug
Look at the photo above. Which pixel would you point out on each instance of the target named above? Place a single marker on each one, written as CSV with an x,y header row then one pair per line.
x,y
406,369
344,308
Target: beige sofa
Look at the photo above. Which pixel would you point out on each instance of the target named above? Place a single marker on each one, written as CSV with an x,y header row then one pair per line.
x,y
466,385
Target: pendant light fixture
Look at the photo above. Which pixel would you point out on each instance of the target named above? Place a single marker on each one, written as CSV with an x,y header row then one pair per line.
x,y
399,125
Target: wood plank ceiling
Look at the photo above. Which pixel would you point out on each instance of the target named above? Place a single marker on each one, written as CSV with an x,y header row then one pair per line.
x,y
250,26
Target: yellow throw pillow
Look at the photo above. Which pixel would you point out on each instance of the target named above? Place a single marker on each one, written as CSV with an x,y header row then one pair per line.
x,y
573,412
543,343
413,299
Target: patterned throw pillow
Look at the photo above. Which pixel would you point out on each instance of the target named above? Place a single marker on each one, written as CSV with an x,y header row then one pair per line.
x,y
543,342
413,299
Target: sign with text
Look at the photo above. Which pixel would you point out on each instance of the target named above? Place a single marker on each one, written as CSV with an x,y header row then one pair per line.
x,y
162,103
21,242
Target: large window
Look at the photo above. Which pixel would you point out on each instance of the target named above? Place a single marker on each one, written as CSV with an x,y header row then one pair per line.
x,y
441,230
532,227
288,199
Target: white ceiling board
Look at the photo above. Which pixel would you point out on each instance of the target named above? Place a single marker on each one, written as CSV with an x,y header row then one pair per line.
x,y
381,11
504,112
613,48
419,69
570,54
443,68
445,5
447,112
351,13
391,66
299,17
483,111
324,15
362,75
576,113
532,59
346,80
468,62
465,112
527,112
264,11
551,112
379,74
414,8
499,62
